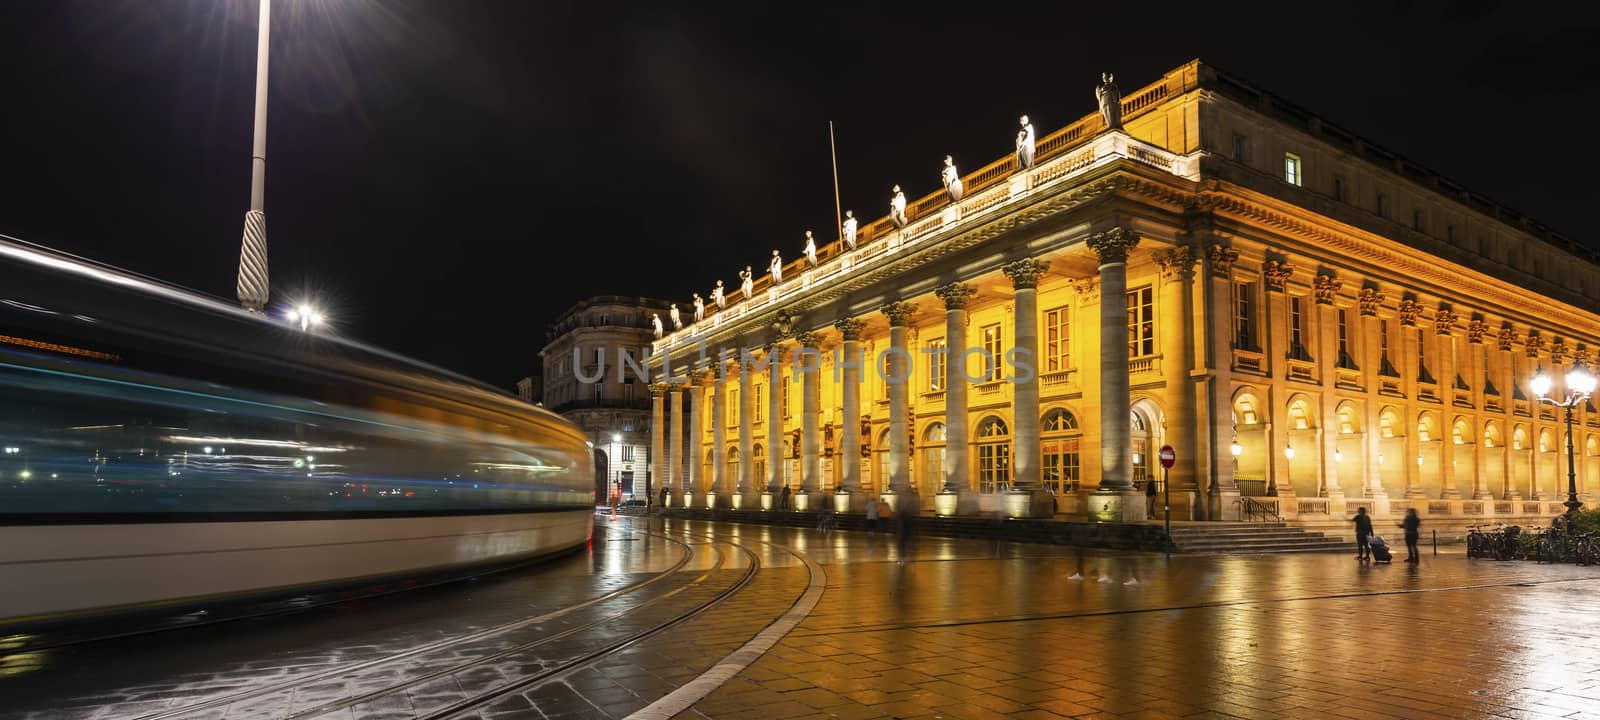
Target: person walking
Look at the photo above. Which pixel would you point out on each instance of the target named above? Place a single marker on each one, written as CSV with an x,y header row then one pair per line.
x,y
902,529
663,497
872,514
1150,497
783,499
1363,523
1413,527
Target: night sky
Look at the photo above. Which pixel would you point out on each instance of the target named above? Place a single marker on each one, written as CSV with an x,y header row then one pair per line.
x,y
449,176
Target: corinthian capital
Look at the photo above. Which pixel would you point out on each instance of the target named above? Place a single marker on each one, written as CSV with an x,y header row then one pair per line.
x,y
1025,273
1221,259
955,295
1113,245
849,328
899,313
1179,260
1277,274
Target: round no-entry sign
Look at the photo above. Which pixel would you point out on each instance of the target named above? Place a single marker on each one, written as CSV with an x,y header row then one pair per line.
x,y
1167,456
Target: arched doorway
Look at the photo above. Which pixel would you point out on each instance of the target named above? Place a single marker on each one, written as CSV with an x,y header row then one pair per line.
x,y
1250,432
994,455
1549,465
1145,435
705,473
1058,448
1392,452
1302,452
1494,460
730,471
933,458
759,455
1591,468
1463,455
1349,451
1429,459
602,477
1521,462
881,467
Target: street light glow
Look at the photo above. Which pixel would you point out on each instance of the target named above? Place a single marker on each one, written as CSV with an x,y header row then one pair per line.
x,y
1580,381
305,315
1540,384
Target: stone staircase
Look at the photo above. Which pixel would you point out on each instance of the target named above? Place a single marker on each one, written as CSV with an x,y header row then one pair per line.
x,y
1253,537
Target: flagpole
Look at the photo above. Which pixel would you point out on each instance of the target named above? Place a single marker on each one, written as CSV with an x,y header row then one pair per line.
x,y
833,152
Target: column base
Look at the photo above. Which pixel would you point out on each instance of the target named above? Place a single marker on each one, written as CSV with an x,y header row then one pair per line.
x,y
1415,494
1224,505
1380,504
911,501
1028,504
846,502
741,501
688,499
769,501
716,500
801,501
950,503
1115,506
1483,495
1336,503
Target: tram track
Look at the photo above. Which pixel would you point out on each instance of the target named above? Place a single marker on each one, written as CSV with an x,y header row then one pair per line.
x,y
330,674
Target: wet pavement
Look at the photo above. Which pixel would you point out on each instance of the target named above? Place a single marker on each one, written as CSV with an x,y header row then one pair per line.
x,y
692,619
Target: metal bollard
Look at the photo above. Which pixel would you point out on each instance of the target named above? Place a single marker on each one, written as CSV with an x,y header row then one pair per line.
x,y
1436,542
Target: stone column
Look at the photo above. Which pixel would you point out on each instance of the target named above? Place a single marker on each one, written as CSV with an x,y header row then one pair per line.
x,y
696,392
1410,420
719,437
900,490
775,458
1115,500
1369,300
676,416
1177,365
809,365
956,496
1222,496
1325,290
1444,334
658,430
744,495
1026,498
849,497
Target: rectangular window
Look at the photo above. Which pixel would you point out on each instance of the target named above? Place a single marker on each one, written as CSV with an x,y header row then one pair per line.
x,y
1338,188
1382,205
886,374
1291,168
627,453
785,399
759,393
1056,351
599,392
734,408
1450,233
1297,335
1344,336
1383,337
992,361
1422,354
1416,220
1141,323
1238,147
1244,319
627,390
1060,464
994,467
599,356
935,352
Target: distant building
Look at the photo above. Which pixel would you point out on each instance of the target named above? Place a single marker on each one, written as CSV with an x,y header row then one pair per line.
x,y
590,339
528,389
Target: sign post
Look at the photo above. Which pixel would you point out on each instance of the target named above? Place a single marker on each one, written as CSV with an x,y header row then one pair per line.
x,y
1167,457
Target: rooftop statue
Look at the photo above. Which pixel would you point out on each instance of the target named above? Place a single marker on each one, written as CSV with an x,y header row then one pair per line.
x,y
718,298
952,179
811,250
1110,99
677,320
897,208
1025,145
655,319
700,305
849,230
747,282
776,268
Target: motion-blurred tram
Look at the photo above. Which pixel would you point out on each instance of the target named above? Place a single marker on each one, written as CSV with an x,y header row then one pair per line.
x,y
159,447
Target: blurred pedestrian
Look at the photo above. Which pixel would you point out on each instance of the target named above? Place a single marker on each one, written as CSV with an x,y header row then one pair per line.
x,y
783,499
872,514
1150,498
1413,527
903,515
1363,523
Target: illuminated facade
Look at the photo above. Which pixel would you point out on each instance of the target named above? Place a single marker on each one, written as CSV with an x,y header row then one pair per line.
x,y
1224,270
581,383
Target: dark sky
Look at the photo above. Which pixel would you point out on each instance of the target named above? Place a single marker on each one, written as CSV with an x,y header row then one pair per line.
x,y
448,176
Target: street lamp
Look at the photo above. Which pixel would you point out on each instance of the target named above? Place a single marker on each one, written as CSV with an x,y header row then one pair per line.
x,y
1579,383
252,288
307,316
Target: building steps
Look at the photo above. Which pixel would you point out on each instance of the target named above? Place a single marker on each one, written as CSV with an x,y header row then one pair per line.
x,y
1239,538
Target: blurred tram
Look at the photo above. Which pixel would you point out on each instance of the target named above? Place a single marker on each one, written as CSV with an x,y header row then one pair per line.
x,y
158,447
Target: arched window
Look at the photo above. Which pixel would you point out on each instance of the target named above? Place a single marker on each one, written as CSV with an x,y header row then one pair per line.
x,y
1140,440
760,457
1387,422
933,456
1519,439
1245,410
882,450
790,465
994,455
1300,415
1348,423
1425,429
1459,432
1491,435
1058,446
731,473
1546,444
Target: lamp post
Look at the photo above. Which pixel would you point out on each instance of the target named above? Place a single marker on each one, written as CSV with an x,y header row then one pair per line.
x,y
253,285
1579,383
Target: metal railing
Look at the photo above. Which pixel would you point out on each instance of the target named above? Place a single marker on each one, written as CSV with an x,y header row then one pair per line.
x,y
1254,511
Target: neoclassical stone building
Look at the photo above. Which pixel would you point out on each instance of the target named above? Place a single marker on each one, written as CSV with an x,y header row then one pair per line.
x,y
1314,323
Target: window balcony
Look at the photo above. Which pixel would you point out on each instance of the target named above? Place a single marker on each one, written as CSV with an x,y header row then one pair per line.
x,y
1251,361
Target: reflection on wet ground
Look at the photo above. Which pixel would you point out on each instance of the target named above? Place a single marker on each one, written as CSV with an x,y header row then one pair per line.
x,y
962,628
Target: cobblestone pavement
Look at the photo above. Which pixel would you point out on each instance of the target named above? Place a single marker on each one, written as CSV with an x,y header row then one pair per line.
x,y
954,628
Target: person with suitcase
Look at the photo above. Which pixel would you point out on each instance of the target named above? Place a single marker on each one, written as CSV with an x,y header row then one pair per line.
x,y
1363,523
1380,550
